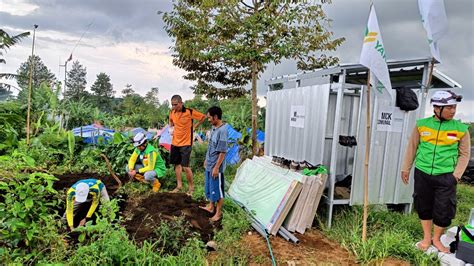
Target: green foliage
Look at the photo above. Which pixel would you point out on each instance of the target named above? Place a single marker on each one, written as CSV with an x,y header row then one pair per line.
x,y
389,234
245,145
234,224
17,161
172,233
198,155
230,43
41,74
12,122
103,243
76,82
219,42
51,147
107,243
28,220
6,42
465,198
71,143
118,152
103,92
78,113
137,111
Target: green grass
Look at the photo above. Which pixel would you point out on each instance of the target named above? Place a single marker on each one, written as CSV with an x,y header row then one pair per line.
x,y
389,234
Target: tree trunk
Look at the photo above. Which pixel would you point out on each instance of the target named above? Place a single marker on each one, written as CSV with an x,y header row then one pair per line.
x,y
254,108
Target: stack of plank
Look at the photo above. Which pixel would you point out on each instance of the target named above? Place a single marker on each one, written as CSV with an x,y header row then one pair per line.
x,y
276,196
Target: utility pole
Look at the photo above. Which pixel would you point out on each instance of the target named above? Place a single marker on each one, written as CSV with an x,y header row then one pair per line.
x,y
65,74
32,62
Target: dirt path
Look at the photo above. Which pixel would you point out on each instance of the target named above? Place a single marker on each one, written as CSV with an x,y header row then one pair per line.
x,y
314,249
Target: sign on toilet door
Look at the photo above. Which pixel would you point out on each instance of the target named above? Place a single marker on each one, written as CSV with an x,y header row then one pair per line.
x,y
297,116
389,119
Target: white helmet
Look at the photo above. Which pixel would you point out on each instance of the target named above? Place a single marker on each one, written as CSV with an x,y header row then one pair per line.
x,y
82,190
139,139
443,98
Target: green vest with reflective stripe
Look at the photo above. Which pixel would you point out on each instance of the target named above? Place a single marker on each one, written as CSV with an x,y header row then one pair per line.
x,y
437,151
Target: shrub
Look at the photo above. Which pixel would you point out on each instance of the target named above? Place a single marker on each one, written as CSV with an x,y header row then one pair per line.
x,y
28,220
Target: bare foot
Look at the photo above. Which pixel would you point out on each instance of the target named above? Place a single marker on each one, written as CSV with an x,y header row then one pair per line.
x,y
423,246
176,190
441,248
207,208
190,192
215,218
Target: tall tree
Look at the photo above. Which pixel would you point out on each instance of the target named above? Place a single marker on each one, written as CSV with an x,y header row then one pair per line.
x,y
231,42
41,74
6,42
151,97
103,91
76,82
128,90
132,103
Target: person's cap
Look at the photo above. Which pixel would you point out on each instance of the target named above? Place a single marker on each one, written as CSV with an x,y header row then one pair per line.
x,y
82,190
444,98
139,139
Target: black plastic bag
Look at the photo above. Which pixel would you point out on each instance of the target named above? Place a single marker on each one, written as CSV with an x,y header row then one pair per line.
x,y
407,99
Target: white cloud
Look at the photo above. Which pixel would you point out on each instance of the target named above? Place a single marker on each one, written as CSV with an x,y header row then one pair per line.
x,y
18,7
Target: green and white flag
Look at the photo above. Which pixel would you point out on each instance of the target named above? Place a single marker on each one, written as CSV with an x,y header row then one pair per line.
x,y
435,22
373,57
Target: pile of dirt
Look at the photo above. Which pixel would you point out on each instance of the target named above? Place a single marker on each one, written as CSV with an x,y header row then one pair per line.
x,y
314,248
144,216
67,180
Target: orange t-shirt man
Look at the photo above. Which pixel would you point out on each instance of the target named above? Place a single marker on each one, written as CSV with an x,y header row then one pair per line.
x,y
183,125
181,118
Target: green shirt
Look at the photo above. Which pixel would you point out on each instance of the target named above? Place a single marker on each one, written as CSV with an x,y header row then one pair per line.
x,y
438,151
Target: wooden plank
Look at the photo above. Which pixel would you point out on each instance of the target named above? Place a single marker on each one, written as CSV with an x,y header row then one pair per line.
x,y
323,178
301,227
284,207
292,219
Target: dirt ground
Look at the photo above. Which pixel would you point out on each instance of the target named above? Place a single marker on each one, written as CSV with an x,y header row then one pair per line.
x,y
314,248
143,216
67,180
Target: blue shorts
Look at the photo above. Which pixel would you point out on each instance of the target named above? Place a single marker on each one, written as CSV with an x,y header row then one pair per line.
x,y
214,187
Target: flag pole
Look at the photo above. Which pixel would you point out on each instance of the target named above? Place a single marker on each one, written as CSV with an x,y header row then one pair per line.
x,y
367,153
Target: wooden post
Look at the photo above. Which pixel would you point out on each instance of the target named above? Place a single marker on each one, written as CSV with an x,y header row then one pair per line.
x,y
32,62
367,156
254,108
430,75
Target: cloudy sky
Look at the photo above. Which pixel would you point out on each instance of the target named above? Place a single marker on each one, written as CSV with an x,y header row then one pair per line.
x,y
126,40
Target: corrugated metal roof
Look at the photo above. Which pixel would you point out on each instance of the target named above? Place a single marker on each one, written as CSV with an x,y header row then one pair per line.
x,y
402,72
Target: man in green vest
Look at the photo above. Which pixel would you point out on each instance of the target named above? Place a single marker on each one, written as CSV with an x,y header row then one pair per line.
x,y
440,146
145,163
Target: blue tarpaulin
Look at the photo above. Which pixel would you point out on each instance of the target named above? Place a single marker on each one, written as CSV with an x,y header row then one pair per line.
x,y
92,133
232,155
260,135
